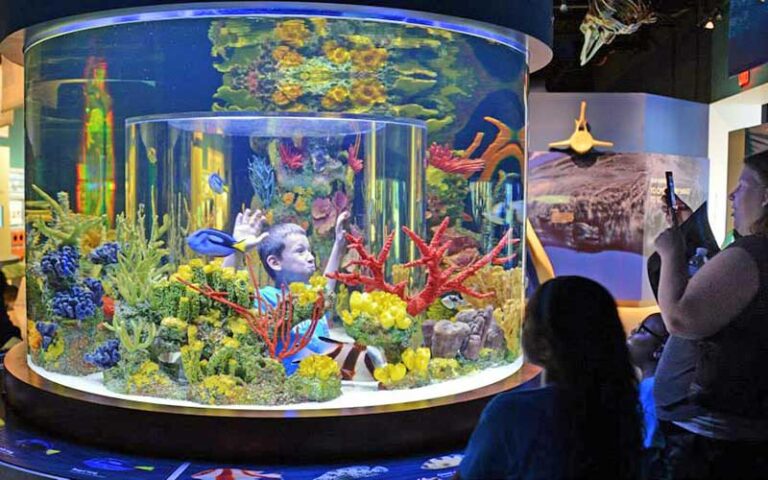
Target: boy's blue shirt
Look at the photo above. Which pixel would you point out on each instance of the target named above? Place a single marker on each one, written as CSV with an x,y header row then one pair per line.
x,y
653,437
271,295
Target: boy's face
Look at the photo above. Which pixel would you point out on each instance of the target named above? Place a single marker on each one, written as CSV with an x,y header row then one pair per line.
x,y
297,263
646,339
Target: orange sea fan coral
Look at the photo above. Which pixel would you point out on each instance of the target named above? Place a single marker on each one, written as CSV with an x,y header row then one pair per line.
x,y
501,148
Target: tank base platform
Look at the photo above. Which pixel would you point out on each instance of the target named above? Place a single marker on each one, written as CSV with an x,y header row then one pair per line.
x,y
283,436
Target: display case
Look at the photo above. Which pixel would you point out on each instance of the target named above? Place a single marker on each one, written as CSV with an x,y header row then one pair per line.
x,y
274,213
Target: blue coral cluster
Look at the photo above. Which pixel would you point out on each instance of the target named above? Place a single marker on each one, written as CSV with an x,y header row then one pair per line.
x,y
96,288
75,303
106,355
105,254
47,330
61,264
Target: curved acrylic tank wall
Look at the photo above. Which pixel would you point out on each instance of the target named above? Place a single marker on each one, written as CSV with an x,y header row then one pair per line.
x,y
402,125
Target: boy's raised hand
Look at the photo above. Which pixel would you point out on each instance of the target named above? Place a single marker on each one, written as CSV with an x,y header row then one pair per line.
x,y
340,230
248,227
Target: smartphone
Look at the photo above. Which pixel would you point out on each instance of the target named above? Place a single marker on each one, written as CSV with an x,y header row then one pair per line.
x,y
671,204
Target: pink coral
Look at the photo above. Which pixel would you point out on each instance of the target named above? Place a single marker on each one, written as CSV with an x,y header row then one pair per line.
x,y
290,156
323,215
325,211
442,157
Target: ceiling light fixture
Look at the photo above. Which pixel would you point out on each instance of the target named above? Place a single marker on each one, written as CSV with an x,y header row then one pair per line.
x,y
710,25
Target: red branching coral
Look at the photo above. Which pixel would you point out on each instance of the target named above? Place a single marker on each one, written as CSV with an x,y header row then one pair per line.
x,y
355,163
442,157
291,157
439,280
272,324
374,264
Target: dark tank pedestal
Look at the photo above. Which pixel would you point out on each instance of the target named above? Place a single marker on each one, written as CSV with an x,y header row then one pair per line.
x,y
284,436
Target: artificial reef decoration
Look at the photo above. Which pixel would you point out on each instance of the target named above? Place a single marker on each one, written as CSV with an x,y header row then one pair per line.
x,y
202,332
439,280
273,325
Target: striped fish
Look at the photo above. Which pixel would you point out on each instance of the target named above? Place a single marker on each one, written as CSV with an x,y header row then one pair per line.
x,y
357,362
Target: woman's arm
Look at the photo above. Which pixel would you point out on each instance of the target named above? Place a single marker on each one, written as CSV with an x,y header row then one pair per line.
x,y
706,303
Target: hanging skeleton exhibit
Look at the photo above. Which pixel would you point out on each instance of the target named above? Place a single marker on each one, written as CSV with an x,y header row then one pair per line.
x,y
605,19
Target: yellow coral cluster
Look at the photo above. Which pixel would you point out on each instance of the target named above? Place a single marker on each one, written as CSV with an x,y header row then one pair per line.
x,y
335,53
90,240
390,373
286,93
220,389
147,375
192,342
185,272
54,351
334,97
287,57
387,309
292,32
369,59
238,326
368,92
503,283
34,339
510,318
307,294
174,323
319,366
443,368
417,361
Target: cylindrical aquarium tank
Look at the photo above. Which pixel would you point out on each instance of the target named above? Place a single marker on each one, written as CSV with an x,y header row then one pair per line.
x,y
275,206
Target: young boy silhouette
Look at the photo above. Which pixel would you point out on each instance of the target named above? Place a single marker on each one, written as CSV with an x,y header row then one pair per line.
x,y
645,344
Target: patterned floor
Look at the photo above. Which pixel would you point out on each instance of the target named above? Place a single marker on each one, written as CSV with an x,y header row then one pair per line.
x,y
27,453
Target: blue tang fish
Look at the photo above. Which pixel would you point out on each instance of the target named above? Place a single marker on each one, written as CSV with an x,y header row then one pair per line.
x,y
37,444
214,243
113,465
217,183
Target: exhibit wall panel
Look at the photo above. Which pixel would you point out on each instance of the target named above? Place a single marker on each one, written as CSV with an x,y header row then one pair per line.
x,y
634,122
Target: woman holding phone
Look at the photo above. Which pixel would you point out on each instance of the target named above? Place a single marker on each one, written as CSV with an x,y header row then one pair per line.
x,y
724,308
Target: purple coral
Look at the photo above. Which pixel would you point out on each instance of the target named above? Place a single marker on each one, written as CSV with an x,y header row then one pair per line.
x,y
105,254
96,288
105,356
47,330
60,264
76,303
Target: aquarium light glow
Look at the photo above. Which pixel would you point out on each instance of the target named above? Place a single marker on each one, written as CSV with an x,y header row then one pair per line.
x,y
95,185
505,36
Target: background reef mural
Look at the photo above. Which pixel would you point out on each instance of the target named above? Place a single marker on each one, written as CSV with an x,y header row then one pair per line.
x,y
601,211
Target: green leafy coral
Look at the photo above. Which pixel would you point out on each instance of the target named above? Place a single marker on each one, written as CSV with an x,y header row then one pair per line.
x,y
141,259
67,227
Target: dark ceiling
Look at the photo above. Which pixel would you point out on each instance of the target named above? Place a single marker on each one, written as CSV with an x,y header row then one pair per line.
x,y
671,57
